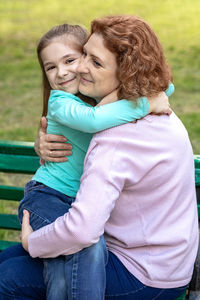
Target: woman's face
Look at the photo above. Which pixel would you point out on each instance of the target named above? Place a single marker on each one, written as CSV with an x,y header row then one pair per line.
x,y
60,60
97,69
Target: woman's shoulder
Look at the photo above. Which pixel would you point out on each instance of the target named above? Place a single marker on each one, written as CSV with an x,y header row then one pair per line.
x,y
115,134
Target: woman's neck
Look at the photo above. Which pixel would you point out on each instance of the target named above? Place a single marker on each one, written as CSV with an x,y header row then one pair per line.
x,y
112,97
86,99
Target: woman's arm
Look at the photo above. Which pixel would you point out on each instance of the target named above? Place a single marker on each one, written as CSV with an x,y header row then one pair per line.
x,y
51,147
84,223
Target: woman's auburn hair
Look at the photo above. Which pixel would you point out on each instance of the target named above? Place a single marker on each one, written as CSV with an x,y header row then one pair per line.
x,y
142,67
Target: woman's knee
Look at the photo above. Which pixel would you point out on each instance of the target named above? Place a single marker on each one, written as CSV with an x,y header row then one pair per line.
x,y
13,251
8,279
22,276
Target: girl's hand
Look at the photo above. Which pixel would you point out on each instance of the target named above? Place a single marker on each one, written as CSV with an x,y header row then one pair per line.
x,y
159,104
51,147
26,230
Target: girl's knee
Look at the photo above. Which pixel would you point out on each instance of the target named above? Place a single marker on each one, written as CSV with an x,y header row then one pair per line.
x,y
97,252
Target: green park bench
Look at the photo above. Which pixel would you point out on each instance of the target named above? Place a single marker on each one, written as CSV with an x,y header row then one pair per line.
x,y
20,158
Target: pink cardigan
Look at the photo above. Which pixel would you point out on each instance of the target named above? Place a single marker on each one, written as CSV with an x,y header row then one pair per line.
x,y
137,186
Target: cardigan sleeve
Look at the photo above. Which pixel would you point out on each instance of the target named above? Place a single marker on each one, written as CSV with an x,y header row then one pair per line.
x,y
84,223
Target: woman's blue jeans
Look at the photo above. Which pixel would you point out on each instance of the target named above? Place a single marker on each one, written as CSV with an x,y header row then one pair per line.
x,y
21,278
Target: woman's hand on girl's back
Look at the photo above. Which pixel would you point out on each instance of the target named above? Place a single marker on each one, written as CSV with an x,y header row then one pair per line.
x,y
51,147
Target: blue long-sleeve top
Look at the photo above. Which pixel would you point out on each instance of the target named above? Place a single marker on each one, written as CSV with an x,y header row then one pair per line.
x,y
71,117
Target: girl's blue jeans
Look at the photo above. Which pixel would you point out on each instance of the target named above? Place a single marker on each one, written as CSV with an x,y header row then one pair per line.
x,y
45,206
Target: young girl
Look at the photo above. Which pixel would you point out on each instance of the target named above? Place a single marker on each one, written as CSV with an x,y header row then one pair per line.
x,y
54,186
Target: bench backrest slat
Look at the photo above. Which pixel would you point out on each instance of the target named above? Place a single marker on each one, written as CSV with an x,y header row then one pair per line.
x,y
23,164
9,222
11,193
20,158
18,148
6,244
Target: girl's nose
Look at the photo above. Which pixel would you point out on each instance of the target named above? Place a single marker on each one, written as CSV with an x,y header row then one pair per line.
x,y
83,65
62,72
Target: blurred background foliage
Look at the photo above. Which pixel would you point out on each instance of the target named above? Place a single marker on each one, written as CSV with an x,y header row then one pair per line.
x,y
22,23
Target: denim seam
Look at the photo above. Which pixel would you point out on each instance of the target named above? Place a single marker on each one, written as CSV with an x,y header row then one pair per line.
x,y
43,219
28,285
128,293
74,275
156,297
45,272
13,292
13,296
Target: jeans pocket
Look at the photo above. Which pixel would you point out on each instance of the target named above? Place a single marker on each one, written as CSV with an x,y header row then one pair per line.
x,y
37,221
31,185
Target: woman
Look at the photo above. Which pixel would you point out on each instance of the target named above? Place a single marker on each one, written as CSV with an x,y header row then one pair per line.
x,y
133,181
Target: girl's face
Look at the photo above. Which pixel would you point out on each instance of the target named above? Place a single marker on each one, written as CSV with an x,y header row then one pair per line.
x,y
97,69
60,61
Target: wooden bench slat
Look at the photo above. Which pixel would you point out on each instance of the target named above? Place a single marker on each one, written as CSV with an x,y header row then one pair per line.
x,y
15,157
18,157
11,193
182,297
18,163
18,148
6,244
197,169
9,222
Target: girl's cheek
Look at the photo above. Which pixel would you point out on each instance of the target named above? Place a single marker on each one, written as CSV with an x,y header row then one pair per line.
x,y
75,67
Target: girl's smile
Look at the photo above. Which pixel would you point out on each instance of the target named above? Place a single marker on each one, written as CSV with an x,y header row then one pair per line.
x,y
67,82
60,60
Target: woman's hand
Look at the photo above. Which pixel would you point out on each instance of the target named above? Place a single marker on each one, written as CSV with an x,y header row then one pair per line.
x,y
51,147
26,230
159,104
